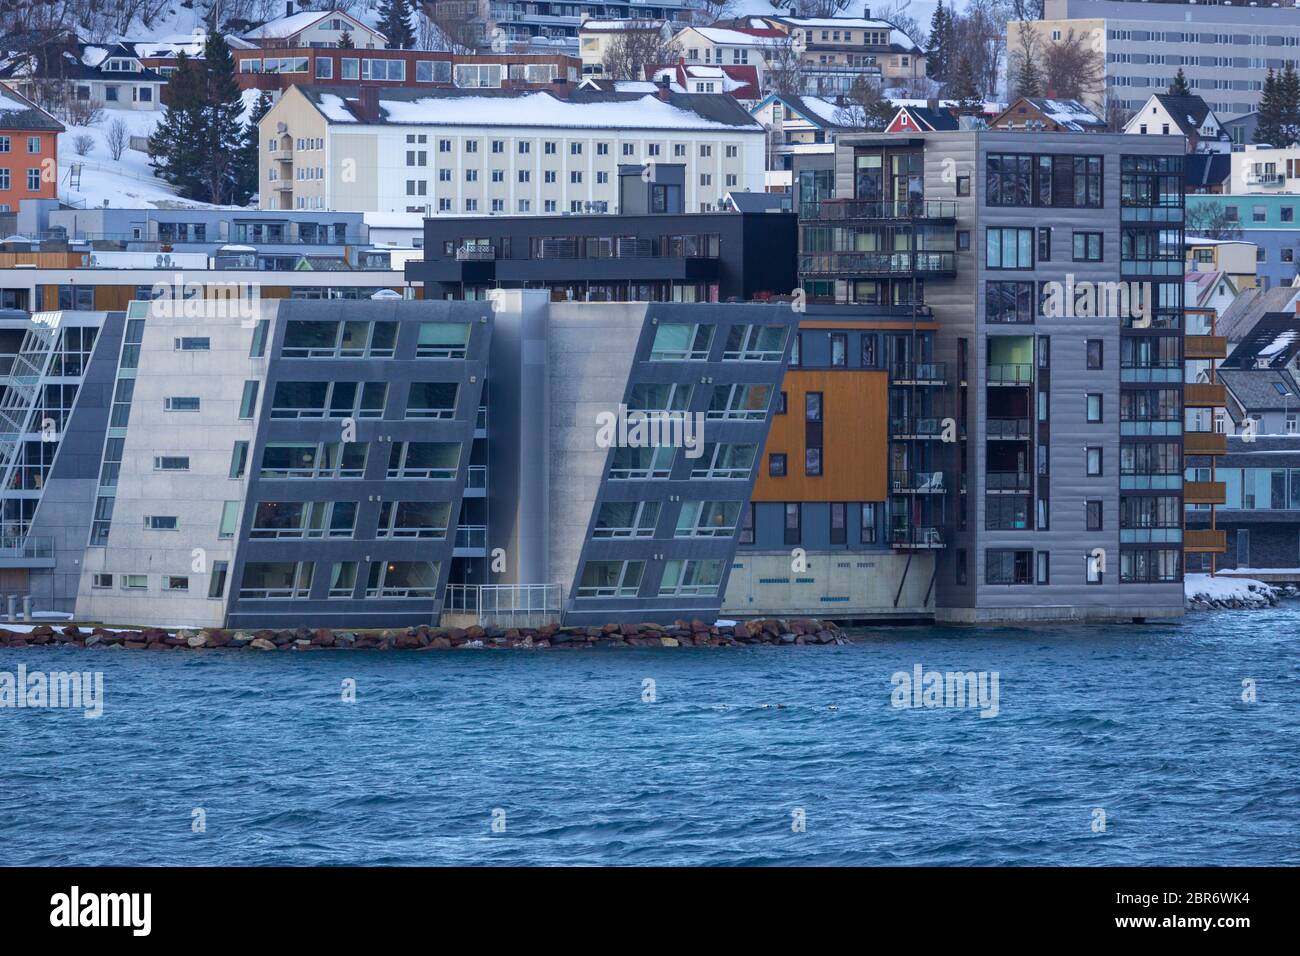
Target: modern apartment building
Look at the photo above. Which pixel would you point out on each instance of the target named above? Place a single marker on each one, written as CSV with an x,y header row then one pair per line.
x,y
542,24
1052,269
1266,219
374,463
652,251
456,152
1224,50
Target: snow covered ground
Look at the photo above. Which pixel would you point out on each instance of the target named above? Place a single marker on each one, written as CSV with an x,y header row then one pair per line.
x,y
128,182
1203,592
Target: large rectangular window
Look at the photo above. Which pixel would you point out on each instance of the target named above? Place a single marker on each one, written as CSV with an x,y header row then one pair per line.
x,y
1009,248
1008,567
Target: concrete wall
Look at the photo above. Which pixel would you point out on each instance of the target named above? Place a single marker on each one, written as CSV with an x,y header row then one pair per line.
x,y
840,585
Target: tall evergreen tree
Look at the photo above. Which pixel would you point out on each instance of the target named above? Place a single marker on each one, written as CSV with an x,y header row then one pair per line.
x,y
1269,127
964,88
1288,89
250,151
937,57
1027,77
223,131
1179,86
346,42
176,145
395,23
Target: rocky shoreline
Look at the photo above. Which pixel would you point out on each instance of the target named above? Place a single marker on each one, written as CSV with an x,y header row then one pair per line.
x,y
1243,594
774,631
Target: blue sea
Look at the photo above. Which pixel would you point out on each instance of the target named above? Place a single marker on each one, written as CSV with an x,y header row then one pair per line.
x,y
1123,745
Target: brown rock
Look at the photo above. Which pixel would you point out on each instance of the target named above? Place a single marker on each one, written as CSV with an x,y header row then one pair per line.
x,y
262,644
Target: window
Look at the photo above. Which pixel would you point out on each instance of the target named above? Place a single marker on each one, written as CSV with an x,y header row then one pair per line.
x,y
192,344
626,519
1007,567
431,400
1042,574
258,347
161,523
706,519
1087,247
229,519
410,519
171,463
33,180
1009,248
839,529
135,582
1008,302
616,579
1044,243
839,349
181,403
1093,461
443,340
780,404
776,465
723,460
248,403
1094,408
679,342
963,185
1095,347
101,581
747,524
1093,514
793,521
691,577
641,463
867,525
755,343
176,582
1093,567
812,433
239,459
266,580
217,581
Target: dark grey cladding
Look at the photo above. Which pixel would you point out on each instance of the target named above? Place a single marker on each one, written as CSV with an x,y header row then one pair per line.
x,y
373,489
672,493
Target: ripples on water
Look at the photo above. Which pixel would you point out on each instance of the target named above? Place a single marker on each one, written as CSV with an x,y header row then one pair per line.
x,y
1145,722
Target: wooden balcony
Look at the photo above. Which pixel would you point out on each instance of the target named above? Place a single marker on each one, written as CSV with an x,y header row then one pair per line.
x,y
1205,347
1205,443
1204,493
1205,541
1204,395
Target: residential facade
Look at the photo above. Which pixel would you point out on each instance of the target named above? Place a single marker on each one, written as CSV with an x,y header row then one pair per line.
x,y
29,152
1224,50
451,152
1265,219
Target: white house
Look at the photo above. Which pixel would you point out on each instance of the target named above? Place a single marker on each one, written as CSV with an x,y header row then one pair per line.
x,y
315,28
1190,116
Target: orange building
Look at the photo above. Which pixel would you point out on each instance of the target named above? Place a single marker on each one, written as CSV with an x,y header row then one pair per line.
x,y
29,151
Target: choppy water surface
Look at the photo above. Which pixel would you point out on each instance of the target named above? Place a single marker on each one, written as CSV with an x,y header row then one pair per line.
x,y
1145,723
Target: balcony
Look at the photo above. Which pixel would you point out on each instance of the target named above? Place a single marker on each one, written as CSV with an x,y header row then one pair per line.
x,y
1205,541
878,263
26,552
909,538
1204,493
471,538
1007,429
910,427
476,252
1010,375
839,210
1204,395
918,373
1265,179
1205,443
1007,481
912,482
1205,347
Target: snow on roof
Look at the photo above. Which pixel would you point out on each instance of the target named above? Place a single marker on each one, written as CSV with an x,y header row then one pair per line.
x,y
1280,343
93,55
9,103
288,26
849,23
615,26
824,109
736,37
535,109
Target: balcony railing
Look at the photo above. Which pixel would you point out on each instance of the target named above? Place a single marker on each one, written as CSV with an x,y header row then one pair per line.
x,y
1007,481
910,481
908,427
1204,492
26,547
1007,429
1265,179
1204,395
1205,347
878,263
918,373
1205,540
1205,443
913,538
831,210
476,252
1010,374
471,536
508,604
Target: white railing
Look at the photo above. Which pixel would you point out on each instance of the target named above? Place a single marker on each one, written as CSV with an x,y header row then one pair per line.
x,y
495,605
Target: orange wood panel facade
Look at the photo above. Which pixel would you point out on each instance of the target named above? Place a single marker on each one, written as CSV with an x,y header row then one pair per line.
x,y
855,438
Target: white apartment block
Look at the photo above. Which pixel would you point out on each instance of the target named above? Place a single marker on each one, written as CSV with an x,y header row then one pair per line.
x,y
1260,171
1225,50
474,153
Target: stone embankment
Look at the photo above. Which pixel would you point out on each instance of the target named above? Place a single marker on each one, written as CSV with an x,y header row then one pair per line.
x,y
1205,593
775,631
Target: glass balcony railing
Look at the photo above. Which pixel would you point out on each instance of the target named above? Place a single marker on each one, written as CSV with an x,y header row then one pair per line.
x,y
1007,429
832,210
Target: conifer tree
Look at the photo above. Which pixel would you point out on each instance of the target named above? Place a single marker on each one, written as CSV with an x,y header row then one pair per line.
x,y
938,56
346,42
223,131
1269,127
965,89
175,146
395,23
1179,86
250,151
1288,89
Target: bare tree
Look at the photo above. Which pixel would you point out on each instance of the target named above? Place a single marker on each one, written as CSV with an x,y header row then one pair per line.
x,y
632,50
1024,70
457,27
1115,114
896,14
1210,221
1072,69
83,144
784,71
981,37
117,138
864,108
811,8
704,12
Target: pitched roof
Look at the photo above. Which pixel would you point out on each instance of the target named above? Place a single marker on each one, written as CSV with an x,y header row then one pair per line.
x,y
1241,316
1261,389
1204,284
18,112
736,80
1187,112
581,108
282,27
817,110
1070,115
928,119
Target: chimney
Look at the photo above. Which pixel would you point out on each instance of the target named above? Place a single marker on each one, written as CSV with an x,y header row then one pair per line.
x,y
665,88
866,12
288,8
368,104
